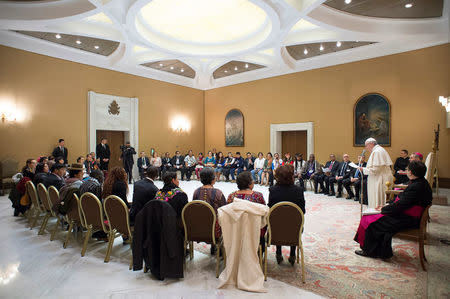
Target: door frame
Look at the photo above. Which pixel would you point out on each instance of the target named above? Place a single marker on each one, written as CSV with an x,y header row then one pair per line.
x,y
275,135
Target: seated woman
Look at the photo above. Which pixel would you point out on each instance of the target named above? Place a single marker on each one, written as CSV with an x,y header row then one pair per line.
x,y
172,193
267,169
375,232
209,161
211,195
220,162
40,174
286,190
245,185
116,184
199,165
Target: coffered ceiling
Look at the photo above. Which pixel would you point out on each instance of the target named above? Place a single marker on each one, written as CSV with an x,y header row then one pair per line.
x,y
206,44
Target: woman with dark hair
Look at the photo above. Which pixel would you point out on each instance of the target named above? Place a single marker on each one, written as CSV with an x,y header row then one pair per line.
x,y
209,161
40,174
375,231
299,168
116,184
172,193
211,195
220,162
286,190
199,166
267,169
288,159
29,168
245,185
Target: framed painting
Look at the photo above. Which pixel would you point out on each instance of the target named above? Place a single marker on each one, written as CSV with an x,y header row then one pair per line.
x,y
234,128
372,118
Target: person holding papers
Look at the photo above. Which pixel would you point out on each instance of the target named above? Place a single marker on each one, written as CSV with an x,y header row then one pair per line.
x,y
375,231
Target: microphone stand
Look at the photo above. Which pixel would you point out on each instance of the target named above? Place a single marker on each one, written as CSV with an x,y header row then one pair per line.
x,y
361,195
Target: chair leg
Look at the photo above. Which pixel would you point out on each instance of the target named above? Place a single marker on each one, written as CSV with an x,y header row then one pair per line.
x,y
68,235
44,223
217,258
184,251
422,254
298,248
111,235
52,236
34,218
131,247
86,240
260,255
265,262
303,262
191,249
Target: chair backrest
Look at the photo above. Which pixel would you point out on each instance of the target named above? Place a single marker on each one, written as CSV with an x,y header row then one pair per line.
x,y
117,214
285,224
32,193
8,168
44,197
199,220
53,196
92,209
430,163
73,211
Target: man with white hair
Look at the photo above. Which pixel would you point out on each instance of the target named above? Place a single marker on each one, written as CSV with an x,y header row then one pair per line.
x,y
379,170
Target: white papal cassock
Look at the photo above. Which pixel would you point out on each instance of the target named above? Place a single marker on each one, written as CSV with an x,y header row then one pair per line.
x,y
379,171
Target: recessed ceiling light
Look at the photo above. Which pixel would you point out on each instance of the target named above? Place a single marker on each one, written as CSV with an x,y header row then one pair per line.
x,y
305,52
408,5
348,1
225,71
338,44
171,67
235,68
321,48
182,70
160,64
58,36
246,65
96,47
78,42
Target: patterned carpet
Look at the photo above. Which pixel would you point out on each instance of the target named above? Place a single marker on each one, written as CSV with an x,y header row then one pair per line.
x,y
334,270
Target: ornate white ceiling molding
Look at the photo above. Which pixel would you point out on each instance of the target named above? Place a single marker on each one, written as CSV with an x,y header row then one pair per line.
x,y
261,41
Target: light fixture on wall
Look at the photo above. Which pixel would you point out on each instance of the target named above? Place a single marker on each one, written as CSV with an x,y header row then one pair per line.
x,y
180,124
9,113
445,102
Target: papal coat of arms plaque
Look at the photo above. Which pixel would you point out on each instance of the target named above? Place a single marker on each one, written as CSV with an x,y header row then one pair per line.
x,y
114,108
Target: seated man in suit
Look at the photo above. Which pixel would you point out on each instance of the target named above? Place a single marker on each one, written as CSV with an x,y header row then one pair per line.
x,y
143,191
342,173
355,179
313,171
228,167
166,163
56,177
238,163
249,162
142,163
331,166
61,151
177,162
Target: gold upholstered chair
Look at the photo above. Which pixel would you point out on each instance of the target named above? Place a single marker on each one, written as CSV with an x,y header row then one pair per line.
x,y
47,208
36,210
199,221
53,195
284,228
118,221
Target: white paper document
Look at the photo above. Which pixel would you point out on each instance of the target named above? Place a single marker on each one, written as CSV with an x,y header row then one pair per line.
x,y
353,165
371,212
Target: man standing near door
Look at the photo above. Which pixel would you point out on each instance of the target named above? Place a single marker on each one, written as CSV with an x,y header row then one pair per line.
x,y
103,154
60,151
128,161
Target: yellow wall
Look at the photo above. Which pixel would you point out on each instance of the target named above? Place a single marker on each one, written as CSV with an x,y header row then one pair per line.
x,y
411,81
53,93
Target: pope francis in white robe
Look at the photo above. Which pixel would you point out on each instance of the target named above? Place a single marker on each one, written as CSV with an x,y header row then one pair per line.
x,y
379,172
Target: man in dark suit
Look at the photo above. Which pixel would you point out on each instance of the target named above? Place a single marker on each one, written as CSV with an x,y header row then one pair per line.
x,y
103,154
177,162
143,191
343,173
61,151
355,179
128,161
56,177
143,163
331,166
166,164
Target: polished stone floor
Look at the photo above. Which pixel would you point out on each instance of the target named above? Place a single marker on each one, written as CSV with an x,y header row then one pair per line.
x,y
33,267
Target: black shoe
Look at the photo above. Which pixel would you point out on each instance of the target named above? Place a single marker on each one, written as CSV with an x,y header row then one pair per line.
x,y
315,192
362,253
292,260
279,258
338,195
356,199
213,250
331,194
349,197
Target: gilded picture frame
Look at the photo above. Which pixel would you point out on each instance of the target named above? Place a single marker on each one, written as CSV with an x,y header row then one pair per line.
x,y
234,128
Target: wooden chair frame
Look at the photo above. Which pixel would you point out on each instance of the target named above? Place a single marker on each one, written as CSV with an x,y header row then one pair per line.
x,y
112,233
219,245
89,227
269,236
